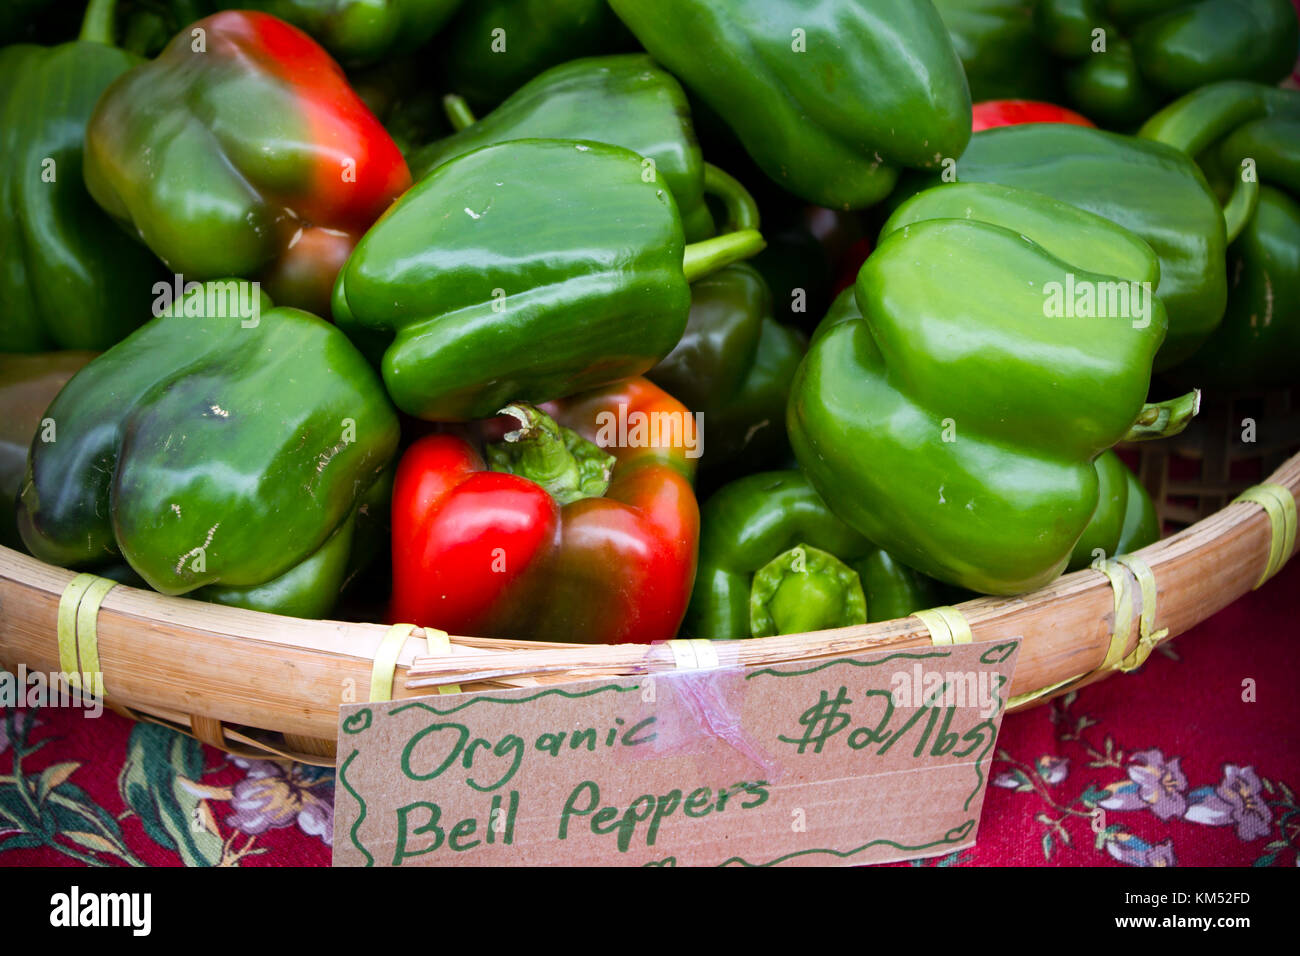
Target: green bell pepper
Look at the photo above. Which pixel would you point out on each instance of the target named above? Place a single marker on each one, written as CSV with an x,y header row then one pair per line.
x,y
1125,520
623,100
733,365
1246,136
775,560
68,280
1155,50
398,93
147,25
1148,188
222,450
524,271
955,417
1000,49
830,100
493,47
28,383
359,32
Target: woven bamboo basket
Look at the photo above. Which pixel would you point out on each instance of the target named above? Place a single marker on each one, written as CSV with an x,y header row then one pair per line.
x,y
265,685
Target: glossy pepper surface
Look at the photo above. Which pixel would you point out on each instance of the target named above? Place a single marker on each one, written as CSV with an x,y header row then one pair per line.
x,y
493,47
624,100
525,271
733,365
775,560
359,32
68,280
829,99
1125,520
993,113
570,529
1148,188
951,414
221,450
28,383
1248,132
1156,50
242,151
999,48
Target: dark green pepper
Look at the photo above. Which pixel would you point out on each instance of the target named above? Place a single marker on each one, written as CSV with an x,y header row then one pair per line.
x,y
734,365
954,420
28,383
146,25
493,47
775,560
222,450
623,100
1000,49
525,271
1125,520
1150,189
69,281
829,100
1129,56
359,32
1246,136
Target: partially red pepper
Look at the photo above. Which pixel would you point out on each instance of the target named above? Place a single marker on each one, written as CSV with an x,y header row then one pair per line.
x,y
574,528
242,151
993,113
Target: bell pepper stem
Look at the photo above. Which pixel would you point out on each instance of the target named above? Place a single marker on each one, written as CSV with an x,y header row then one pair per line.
x,y
97,24
1193,123
458,112
1165,419
1241,206
707,257
805,589
559,459
742,210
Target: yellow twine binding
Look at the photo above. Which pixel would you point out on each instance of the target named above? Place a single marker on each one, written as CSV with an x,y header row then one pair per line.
x,y
1279,504
390,646
1147,637
76,628
945,624
694,654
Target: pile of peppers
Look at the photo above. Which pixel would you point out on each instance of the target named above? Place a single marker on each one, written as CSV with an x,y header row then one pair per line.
x,y
611,321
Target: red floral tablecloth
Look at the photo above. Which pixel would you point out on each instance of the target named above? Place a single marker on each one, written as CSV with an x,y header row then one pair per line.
x,y
1194,759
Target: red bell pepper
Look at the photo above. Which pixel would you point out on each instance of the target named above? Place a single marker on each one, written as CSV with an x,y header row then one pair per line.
x,y
575,527
993,113
242,151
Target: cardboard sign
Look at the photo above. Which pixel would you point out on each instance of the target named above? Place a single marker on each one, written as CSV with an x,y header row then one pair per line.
x,y
853,760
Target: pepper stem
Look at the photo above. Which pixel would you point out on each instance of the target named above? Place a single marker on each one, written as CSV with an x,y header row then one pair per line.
x,y
1240,207
1165,419
458,112
742,210
559,459
805,589
707,257
97,24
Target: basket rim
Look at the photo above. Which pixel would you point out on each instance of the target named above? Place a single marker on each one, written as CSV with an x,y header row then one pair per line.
x,y
189,663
